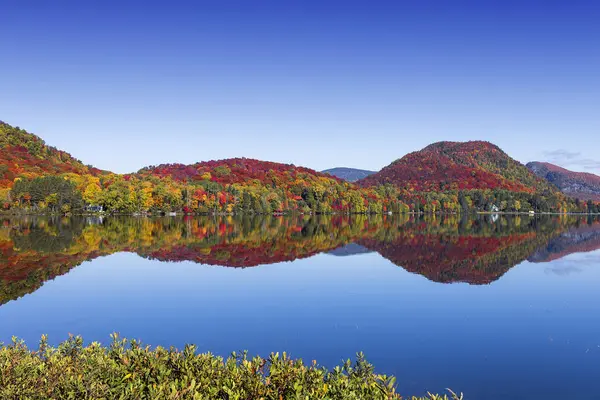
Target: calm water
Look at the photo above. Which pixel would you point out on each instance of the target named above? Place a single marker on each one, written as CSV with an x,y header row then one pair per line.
x,y
495,307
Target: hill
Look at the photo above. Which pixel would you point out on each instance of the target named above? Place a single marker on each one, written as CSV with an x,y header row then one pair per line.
x,y
24,154
447,166
235,170
582,185
348,174
249,185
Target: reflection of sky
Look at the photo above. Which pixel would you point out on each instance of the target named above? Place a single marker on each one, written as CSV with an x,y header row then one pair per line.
x,y
531,332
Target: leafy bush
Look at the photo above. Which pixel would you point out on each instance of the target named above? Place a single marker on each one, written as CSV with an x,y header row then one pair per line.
x,y
128,370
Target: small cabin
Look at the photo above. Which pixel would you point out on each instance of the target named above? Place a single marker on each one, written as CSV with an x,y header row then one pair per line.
x,y
94,208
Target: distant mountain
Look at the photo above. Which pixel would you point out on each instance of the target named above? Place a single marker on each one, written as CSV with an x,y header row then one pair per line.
x,y
25,154
582,185
348,174
446,166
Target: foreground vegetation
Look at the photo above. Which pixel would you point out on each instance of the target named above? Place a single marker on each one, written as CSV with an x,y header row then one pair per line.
x,y
128,370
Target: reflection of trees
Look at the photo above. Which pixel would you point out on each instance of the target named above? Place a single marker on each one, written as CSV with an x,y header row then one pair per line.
x,y
46,236
442,248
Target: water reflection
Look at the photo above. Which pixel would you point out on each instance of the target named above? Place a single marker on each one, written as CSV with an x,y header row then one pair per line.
x,y
443,249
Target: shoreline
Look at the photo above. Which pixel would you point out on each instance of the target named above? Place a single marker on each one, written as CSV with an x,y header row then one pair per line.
x,y
182,214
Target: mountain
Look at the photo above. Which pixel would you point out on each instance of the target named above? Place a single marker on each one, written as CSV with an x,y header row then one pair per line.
x,y
582,185
348,174
446,166
25,154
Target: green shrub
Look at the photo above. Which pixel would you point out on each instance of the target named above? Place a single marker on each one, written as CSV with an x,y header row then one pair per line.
x,y
128,370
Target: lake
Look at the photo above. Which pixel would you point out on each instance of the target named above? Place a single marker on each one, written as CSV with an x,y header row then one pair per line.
x,y
494,306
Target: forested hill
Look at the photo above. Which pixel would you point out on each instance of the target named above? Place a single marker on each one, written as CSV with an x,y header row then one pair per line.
x,y
349,174
447,166
236,170
582,185
40,179
24,154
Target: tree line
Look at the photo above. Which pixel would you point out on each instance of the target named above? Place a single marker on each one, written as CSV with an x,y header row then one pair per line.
x,y
152,194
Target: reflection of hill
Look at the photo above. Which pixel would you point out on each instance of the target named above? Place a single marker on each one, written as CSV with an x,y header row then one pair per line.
x,y
476,251
240,243
443,258
35,250
577,239
232,255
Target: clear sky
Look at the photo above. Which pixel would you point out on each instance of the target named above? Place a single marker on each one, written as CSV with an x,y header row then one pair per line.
x,y
121,85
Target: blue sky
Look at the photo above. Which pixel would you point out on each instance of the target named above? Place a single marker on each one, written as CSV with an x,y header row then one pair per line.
x,y
121,85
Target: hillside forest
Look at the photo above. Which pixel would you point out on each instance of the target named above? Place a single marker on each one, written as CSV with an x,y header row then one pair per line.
x,y
37,178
